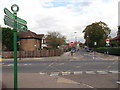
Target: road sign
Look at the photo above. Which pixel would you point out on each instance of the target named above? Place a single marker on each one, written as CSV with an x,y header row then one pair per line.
x,y
71,43
7,12
21,20
17,24
107,41
95,43
10,22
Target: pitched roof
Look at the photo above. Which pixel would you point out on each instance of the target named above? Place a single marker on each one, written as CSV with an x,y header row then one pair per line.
x,y
29,34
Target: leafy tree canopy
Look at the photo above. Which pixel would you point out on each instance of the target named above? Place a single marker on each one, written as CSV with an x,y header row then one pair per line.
x,y
7,39
54,39
96,32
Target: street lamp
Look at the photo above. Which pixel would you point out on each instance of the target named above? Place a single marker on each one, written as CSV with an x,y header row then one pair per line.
x,y
75,36
75,39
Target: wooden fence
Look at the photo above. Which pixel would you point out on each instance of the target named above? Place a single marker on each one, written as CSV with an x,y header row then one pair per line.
x,y
26,54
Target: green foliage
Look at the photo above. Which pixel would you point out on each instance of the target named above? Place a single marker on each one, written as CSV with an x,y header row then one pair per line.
x,y
54,39
111,50
7,39
96,32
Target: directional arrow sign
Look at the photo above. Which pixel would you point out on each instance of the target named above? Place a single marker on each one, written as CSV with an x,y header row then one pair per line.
x,y
7,12
10,22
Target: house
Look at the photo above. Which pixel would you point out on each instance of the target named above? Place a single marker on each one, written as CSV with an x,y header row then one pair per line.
x,y
30,41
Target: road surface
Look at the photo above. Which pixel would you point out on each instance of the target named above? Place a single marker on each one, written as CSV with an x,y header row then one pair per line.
x,y
84,69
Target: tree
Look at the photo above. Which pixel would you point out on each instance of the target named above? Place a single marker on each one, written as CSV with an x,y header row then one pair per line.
x,y
96,32
54,39
7,39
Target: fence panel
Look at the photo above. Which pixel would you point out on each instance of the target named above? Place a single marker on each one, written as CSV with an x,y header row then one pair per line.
x,y
39,53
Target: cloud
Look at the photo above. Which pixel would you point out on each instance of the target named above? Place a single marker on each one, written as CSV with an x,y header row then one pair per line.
x,y
65,16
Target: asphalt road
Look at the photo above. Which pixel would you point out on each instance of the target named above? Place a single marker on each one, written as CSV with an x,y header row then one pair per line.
x,y
83,67
88,62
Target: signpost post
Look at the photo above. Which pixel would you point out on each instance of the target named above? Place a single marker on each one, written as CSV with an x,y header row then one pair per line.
x,y
107,44
17,24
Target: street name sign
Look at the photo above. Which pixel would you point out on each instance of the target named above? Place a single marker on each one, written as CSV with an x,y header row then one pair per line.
x,y
7,12
16,23
10,22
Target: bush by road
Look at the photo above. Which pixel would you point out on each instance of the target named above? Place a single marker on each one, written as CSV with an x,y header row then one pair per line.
x,y
111,50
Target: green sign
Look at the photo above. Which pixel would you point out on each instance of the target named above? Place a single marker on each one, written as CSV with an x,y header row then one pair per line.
x,y
7,12
10,22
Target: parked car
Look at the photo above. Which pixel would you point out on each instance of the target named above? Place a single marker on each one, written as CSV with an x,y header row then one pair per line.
x,y
89,50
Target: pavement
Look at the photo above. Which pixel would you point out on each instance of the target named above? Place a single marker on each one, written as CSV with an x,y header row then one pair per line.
x,y
28,80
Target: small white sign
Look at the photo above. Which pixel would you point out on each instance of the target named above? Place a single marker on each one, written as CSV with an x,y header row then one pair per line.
x,y
95,43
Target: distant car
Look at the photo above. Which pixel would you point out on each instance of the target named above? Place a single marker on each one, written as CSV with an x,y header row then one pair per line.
x,y
73,51
89,50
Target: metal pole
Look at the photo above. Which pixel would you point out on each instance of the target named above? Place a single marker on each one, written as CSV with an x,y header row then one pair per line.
x,y
15,53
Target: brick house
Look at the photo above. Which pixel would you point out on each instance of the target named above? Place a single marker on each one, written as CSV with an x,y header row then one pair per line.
x,y
117,38
30,41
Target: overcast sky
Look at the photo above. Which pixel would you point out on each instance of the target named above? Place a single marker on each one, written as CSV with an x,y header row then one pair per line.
x,y
64,16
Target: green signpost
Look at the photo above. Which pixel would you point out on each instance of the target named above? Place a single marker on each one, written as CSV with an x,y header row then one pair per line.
x,y
12,16
17,24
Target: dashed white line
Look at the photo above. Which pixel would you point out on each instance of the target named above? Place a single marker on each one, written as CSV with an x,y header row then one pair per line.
x,y
114,72
90,72
42,73
66,73
102,72
78,72
54,74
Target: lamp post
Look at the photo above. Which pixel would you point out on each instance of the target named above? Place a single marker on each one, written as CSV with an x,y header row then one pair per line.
x,y
75,39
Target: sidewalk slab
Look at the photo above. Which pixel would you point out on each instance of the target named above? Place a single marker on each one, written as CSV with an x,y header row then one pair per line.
x,y
35,80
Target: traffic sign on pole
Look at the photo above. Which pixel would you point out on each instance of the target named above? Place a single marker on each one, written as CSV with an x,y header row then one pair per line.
x,y
17,24
107,41
12,16
10,22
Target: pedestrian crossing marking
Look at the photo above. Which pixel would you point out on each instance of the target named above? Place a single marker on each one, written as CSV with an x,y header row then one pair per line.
x,y
82,72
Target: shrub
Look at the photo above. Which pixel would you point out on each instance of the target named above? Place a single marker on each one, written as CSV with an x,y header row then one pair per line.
x,y
111,50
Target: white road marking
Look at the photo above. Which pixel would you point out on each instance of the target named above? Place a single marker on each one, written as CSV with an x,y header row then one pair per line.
x,y
78,66
42,73
10,65
66,73
102,72
118,82
54,74
61,64
78,72
114,72
90,72
25,64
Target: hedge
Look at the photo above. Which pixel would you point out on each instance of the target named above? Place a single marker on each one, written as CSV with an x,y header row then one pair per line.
x,y
111,50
